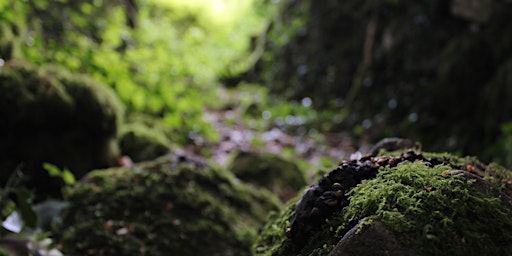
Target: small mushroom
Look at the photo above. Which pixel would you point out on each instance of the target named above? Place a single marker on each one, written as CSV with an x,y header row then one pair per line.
x,y
332,203
339,193
314,211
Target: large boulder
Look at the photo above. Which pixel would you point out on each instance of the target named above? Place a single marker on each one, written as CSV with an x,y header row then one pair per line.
x,y
403,204
174,205
51,115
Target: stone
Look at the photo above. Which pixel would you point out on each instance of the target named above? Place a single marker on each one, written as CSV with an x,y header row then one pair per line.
x,y
142,143
52,115
173,205
373,240
282,177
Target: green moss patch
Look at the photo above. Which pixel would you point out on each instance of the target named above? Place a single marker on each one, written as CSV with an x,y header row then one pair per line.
x,y
142,143
169,206
270,171
433,211
430,211
272,239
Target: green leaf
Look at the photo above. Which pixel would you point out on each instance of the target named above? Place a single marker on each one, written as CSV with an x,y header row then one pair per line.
x,y
68,177
52,170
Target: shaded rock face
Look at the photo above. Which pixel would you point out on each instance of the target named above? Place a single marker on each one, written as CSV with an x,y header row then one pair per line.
x,y
51,115
375,240
411,204
174,205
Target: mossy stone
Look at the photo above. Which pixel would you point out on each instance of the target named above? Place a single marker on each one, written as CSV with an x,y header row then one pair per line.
x,y
141,142
427,210
169,206
51,115
281,176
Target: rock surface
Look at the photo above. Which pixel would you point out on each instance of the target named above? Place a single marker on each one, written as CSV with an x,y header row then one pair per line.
x,y
375,240
142,143
51,115
284,178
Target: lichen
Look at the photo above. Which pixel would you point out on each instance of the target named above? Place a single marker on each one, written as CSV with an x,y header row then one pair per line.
x,y
163,207
426,207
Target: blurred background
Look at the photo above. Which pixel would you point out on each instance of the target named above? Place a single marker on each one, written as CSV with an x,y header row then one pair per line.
x,y
434,71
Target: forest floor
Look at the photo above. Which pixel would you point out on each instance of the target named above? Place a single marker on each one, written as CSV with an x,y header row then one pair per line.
x,y
320,150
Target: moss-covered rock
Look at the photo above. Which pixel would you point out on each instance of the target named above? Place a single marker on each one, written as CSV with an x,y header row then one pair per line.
x,y
51,115
142,143
270,171
170,206
435,205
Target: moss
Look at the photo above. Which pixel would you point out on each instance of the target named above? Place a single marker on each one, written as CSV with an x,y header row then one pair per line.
x,y
270,171
272,240
427,208
163,207
499,177
52,115
433,211
141,142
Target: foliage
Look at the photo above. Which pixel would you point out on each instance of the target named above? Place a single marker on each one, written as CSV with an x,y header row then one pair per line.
x,y
65,174
17,199
254,106
24,221
161,57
